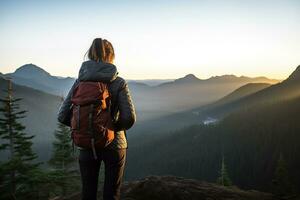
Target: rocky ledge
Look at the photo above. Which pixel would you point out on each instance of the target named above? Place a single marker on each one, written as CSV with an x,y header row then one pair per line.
x,y
174,188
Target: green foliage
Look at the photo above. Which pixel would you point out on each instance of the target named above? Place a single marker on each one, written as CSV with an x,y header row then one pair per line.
x,y
20,175
62,157
62,172
41,119
281,182
224,177
251,136
16,171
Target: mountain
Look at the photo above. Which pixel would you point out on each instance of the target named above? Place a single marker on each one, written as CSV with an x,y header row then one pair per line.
x,y
186,93
155,106
251,140
188,79
233,78
240,93
134,86
243,91
285,90
41,115
31,71
151,102
190,117
295,76
151,82
176,188
251,137
192,79
35,77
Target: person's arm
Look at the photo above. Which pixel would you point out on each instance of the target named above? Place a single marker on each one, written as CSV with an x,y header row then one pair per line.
x,y
65,111
127,116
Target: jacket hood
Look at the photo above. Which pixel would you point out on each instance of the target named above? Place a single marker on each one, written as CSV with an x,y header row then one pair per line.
x,y
97,71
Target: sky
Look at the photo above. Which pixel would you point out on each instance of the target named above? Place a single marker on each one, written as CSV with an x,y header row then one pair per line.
x,y
154,39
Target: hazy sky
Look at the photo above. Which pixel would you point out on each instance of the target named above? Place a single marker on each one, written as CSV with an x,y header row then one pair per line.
x,y
155,39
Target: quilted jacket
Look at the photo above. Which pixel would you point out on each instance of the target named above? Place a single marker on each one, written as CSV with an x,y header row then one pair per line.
x,y
122,106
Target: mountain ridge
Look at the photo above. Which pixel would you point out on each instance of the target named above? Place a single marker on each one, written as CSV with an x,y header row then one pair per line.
x,y
191,78
151,101
295,76
241,92
287,89
33,76
29,70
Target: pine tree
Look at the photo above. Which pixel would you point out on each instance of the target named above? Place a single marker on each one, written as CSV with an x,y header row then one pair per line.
x,y
281,183
62,161
16,179
224,177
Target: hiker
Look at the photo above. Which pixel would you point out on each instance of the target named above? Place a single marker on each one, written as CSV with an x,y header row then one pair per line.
x,y
98,80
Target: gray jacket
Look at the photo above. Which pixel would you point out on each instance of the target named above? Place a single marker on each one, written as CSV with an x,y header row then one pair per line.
x,y
122,106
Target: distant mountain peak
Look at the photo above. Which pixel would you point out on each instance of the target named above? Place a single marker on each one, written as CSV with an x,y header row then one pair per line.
x,y
295,76
188,78
222,78
30,70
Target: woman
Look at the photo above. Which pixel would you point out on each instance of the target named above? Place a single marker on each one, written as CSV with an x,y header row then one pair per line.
x,y
100,68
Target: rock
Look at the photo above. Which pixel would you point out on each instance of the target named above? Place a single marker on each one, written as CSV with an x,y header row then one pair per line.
x,y
175,188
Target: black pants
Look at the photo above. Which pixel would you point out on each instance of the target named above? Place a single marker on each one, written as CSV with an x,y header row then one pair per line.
x,y
114,162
